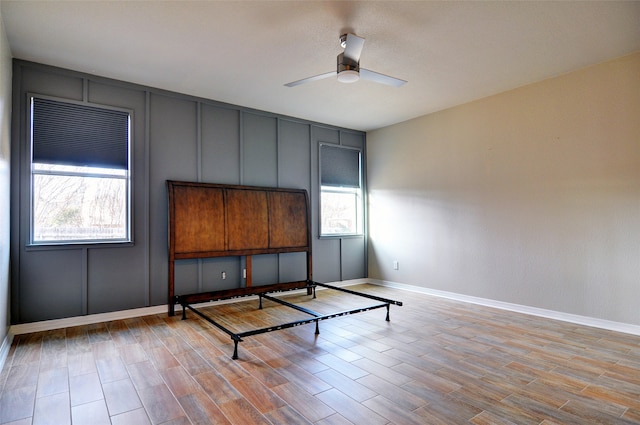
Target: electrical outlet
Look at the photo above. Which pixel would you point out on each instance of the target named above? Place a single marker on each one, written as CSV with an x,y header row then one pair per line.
x,y
244,273
224,275
395,264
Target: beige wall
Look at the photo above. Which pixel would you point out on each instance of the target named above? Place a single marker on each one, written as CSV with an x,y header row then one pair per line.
x,y
5,121
530,197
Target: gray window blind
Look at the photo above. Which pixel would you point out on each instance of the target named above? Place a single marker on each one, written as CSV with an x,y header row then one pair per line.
x,y
79,135
339,166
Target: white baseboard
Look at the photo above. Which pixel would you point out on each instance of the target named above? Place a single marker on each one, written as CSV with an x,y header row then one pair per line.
x,y
48,325
138,312
4,349
518,308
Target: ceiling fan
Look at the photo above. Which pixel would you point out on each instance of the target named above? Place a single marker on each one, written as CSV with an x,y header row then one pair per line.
x,y
348,70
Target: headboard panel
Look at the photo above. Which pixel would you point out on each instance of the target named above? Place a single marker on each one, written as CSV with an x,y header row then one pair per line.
x,y
196,219
215,220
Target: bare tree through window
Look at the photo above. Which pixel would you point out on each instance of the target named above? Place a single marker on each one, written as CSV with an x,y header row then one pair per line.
x,y
84,207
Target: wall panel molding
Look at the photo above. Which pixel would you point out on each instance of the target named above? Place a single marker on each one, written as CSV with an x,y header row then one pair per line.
x,y
175,136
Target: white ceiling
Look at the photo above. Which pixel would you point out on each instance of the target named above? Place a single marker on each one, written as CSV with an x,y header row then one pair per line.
x,y
242,52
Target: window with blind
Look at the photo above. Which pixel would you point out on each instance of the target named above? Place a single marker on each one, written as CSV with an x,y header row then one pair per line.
x,y
80,173
340,191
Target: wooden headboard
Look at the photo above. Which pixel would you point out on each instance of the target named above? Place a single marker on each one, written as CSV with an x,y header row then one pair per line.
x,y
216,220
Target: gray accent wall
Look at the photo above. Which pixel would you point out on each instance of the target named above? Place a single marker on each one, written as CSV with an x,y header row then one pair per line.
x,y
175,137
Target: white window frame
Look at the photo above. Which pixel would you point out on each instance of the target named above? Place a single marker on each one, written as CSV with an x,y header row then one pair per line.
x,y
357,192
82,172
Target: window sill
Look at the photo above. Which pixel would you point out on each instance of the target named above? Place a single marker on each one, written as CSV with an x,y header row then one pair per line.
x,y
77,245
341,236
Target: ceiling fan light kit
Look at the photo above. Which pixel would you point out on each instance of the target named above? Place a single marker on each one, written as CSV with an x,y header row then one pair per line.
x,y
348,76
348,66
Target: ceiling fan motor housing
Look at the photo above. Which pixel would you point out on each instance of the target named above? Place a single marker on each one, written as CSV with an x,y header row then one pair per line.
x,y
346,64
348,70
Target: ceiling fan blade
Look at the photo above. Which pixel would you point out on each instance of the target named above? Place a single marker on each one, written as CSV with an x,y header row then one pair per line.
x,y
380,78
353,48
311,79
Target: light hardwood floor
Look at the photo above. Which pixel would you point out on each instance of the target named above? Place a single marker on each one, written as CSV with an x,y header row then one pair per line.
x,y
436,362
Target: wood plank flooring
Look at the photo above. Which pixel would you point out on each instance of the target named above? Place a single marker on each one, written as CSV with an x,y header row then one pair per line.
x,y
436,362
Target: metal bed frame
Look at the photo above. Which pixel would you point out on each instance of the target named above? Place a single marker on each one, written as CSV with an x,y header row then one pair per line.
x,y
317,317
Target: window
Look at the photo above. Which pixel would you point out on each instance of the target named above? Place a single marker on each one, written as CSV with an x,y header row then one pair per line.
x,y
80,173
340,191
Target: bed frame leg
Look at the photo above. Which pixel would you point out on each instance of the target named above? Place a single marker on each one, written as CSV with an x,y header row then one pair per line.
x,y
235,349
314,292
184,312
387,319
317,328
260,298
